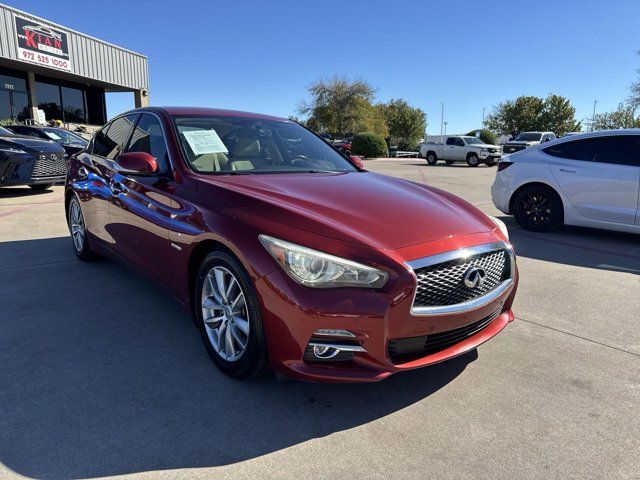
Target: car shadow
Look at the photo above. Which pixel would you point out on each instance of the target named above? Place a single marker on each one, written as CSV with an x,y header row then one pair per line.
x,y
14,192
103,374
583,247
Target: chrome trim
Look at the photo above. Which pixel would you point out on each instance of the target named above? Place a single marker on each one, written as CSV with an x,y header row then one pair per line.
x,y
343,347
338,332
474,303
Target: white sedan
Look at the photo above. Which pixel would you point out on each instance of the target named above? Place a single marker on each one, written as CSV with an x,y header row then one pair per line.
x,y
590,179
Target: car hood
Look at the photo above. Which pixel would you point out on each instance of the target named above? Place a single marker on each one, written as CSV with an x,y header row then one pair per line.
x,y
364,208
522,142
29,144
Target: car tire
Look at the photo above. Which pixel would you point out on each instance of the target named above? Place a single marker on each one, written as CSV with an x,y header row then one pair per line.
x,y
79,232
537,208
449,162
41,187
347,153
431,158
491,162
473,160
232,330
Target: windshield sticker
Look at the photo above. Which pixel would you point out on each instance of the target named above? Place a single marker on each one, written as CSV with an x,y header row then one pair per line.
x,y
53,136
204,141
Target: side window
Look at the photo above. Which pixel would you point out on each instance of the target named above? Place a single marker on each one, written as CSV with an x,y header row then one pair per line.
x,y
451,141
577,150
98,144
117,135
552,136
622,150
148,137
460,142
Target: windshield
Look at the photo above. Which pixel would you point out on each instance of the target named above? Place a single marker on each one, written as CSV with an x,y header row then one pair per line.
x,y
240,145
473,141
529,137
64,136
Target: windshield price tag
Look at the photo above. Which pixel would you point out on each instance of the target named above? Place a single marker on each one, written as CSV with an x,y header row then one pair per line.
x,y
204,141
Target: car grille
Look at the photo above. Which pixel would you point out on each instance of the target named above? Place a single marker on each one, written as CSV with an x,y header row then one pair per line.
x,y
49,165
512,148
429,344
443,283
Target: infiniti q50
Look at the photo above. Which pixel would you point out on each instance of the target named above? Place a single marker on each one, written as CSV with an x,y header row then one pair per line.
x,y
290,256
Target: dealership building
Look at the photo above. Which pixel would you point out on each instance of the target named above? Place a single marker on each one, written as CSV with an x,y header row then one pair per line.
x,y
51,72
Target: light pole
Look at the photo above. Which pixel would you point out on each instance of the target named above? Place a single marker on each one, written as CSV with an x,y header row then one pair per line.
x,y
445,128
483,109
441,119
593,117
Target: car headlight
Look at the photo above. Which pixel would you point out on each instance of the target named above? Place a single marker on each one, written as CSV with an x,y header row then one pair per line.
x,y
484,149
320,270
501,225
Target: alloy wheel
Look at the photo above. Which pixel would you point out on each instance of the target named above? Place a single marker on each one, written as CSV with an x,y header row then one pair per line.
x,y
536,208
78,232
225,314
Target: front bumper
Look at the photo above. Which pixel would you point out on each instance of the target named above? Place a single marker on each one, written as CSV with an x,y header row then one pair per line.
x,y
27,169
490,155
293,314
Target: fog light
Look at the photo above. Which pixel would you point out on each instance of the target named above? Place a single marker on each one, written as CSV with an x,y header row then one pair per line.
x,y
324,351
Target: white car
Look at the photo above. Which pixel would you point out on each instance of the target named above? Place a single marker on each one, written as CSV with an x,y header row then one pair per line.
x,y
589,179
461,148
526,140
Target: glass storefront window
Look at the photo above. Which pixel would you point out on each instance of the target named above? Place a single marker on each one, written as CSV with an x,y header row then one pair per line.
x,y
48,96
20,106
73,103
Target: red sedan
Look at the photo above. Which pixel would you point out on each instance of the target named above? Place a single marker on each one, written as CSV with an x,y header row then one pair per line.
x,y
290,256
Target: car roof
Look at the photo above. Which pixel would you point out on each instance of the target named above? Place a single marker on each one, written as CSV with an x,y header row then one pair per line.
x,y
186,111
599,133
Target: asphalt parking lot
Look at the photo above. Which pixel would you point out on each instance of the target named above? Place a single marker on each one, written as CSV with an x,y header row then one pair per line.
x,y
102,374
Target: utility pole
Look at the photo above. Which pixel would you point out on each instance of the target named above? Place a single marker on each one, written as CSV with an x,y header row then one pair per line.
x,y
483,109
593,117
441,119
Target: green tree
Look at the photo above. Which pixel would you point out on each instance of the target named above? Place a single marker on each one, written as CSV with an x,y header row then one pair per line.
x,y
622,117
339,105
634,97
527,113
405,123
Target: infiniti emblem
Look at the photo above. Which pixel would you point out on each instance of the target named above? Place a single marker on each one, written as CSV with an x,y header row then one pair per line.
x,y
474,277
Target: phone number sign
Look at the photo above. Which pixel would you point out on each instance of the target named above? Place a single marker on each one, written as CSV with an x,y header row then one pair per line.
x,y
41,44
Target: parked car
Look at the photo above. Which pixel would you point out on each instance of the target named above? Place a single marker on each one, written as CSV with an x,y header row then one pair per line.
x,y
588,179
71,142
29,161
461,148
304,263
527,139
343,145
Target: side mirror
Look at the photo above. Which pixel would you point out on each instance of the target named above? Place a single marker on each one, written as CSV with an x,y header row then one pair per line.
x,y
136,163
357,161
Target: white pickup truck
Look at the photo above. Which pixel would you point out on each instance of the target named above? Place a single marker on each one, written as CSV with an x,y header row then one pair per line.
x,y
461,148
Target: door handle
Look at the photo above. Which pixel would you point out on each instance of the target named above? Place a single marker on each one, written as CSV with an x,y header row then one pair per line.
x,y
567,171
116,187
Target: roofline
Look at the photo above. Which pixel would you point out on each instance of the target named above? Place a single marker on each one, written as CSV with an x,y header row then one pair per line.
x,y
22,12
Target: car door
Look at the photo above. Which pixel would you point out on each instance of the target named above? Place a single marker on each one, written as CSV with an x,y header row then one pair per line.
x,y
600,176
452,148
140,210
97,171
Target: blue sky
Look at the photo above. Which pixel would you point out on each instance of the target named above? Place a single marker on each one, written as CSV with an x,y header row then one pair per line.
x,y
262,55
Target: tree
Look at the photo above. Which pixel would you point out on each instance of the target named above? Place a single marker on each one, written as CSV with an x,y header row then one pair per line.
x,y
340,106
622,117
406,124
527,113
634,97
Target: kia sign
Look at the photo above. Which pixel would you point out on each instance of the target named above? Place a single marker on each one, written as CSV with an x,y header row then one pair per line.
x,y
41,44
